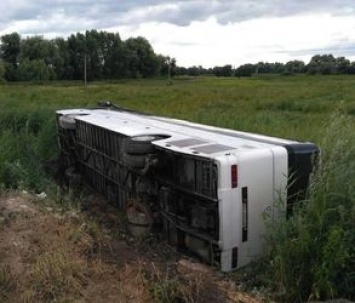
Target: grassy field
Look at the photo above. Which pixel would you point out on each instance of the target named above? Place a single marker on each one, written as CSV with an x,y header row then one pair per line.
x,y
293,107
320,109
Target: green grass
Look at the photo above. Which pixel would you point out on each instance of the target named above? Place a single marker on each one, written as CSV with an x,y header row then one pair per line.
x,y
311,253
292,107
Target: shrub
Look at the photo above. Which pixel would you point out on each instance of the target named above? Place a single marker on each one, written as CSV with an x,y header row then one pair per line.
x,y
28,141
313,253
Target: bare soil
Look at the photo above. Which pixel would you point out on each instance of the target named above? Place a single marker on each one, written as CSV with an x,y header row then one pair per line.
x,y
49,254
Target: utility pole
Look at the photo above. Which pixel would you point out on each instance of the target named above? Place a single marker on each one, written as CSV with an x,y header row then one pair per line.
x,y
86,49
85,68
168,62
169,72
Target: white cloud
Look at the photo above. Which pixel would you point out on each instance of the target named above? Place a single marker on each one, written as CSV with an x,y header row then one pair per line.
x,y
209,43
200,32
57,25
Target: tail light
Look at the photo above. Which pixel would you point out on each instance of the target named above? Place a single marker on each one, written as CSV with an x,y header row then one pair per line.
x,y
234,175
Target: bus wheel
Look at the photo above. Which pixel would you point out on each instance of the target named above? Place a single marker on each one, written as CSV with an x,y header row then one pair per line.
x,y
139,219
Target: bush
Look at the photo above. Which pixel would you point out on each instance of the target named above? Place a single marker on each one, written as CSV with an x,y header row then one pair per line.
x,y
2,71
28,141
313,253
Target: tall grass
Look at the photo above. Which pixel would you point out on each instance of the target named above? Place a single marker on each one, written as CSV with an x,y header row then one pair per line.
x,y
313,253
28,141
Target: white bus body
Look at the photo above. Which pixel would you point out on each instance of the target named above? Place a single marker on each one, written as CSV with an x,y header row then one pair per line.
x,y
207,188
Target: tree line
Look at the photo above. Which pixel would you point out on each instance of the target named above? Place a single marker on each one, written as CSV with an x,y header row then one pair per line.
x,y
101,55
325,64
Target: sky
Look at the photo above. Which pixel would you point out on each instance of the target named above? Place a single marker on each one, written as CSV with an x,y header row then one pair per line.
x,y
199,32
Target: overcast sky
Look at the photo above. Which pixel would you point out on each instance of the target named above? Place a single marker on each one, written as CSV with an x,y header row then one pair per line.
x,y
200,32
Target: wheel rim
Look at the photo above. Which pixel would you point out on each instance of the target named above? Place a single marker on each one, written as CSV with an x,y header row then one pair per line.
x,y
143,138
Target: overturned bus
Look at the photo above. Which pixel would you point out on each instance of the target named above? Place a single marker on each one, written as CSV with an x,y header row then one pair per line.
x,y
205,188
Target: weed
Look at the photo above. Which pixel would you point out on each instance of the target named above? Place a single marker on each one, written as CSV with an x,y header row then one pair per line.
x,y
312,253
57,273
8,280
21,158
165,291
180,284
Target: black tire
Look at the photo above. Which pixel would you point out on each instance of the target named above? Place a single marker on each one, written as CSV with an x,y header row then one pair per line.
x,y
134,161
139,219
72,175
145,186
139,145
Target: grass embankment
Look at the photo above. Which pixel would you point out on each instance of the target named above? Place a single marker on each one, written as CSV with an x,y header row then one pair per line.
x,y
54,252
312,255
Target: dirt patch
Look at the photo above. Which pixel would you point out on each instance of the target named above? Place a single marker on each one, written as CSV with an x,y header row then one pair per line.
x,y
12,205
75,256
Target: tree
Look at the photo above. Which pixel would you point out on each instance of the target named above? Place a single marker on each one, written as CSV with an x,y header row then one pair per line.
x,y
109,45
322,64
10,48
351,69
77,52
246,70
264,68
180,70
167,65
35,70
36,48
94,56
295,67
2,71
223,71
194,71
9,52
342,65
141,58
116,62
61,59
